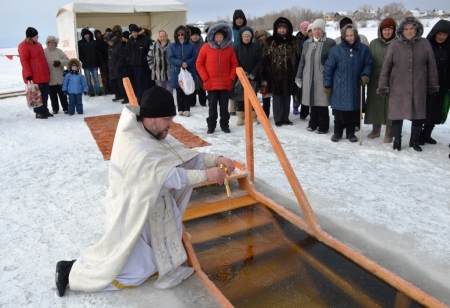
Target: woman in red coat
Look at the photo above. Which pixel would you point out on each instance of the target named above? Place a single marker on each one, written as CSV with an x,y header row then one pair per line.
x,y
35,68
216,65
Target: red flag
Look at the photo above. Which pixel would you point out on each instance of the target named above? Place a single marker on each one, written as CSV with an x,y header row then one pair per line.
x,y
10,57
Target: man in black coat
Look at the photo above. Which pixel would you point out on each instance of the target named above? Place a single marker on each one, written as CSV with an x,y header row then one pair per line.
x,y
136,54
117,66
88,52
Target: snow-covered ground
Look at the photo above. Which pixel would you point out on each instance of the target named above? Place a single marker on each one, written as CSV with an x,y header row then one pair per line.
x,y
393,207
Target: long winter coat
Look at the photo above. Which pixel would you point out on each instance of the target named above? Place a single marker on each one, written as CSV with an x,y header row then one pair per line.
x,y
137,50
343,71
310,70
56,73
198,46
179,53
216,64
117,62
377,106
158,61
88,50
442,56
34,64
281,55
74,83
409,70
249,55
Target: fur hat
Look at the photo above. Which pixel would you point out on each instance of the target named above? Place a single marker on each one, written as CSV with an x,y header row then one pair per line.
x,y
319,23
304,25
52,38
126,34
195,30
117,28
109,37
156,102
73,61
31,32
134,27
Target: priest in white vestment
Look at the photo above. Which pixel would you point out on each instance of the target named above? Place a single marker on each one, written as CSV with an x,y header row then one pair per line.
x,y
151,177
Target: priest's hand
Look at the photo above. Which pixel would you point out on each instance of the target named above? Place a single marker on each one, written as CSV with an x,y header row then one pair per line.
x,y
215,175
227,162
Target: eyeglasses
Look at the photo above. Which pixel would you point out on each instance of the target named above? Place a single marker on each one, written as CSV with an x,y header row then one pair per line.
x,y
180,34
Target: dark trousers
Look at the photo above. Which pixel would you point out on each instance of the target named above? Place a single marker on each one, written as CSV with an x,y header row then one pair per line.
x,y
104,75
339,127
118,88
304,111
320,118
184,101
201,96
221,97
281,107
266,105
45,89
140,79
55,92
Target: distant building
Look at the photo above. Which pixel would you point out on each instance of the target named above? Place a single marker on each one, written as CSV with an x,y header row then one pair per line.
x,y
414,13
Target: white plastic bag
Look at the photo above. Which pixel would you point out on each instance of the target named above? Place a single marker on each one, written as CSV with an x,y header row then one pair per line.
x,y
33,94
186,81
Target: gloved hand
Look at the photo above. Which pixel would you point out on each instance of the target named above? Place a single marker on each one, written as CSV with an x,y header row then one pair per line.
x,y
30,78
364,80
56,63
65,93
327,91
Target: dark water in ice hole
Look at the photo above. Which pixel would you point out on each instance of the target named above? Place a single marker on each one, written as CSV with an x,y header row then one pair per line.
x,y
258,259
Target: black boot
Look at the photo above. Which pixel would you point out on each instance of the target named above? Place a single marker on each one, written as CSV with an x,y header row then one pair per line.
x,y
397,137
426,135
62,276
414,140
338,131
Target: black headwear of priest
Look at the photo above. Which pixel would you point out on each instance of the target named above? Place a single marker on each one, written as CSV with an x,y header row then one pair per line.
x,y
156,102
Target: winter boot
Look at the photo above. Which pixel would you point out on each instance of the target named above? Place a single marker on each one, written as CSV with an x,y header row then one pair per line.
x,y
338,131
397,137
426,134
241,118
232,107
388,135
254,118
414,140
41,116
375,133
62,276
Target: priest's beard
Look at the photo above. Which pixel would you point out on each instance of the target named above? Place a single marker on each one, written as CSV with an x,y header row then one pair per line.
x,y
159,135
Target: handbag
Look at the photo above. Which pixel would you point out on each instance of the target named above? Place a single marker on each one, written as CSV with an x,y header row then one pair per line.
x,y
237,93
186,82
33,94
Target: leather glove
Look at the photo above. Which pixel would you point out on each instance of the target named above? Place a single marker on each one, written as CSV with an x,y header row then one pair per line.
x,y
327,91
56,63
30,78
364,80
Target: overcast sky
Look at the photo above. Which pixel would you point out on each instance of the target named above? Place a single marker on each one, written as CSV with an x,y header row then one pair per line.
x,y
17,15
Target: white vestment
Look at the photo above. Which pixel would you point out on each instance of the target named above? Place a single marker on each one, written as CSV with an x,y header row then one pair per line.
x,y
148,193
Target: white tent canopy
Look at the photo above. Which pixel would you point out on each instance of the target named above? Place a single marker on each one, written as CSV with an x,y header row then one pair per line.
x,y
154,14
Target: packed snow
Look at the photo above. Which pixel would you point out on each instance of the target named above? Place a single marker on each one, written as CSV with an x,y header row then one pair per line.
x,y
393,207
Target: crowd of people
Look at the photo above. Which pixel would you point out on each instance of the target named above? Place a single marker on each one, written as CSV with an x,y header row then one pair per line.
x,y
406,77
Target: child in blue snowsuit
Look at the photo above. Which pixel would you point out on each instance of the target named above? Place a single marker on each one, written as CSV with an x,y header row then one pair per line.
x,y
74,85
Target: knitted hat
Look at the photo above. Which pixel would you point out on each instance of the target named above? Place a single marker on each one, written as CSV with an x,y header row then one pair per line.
x,y
31,32
109,37
156,102
319,23
309,28
134,28
195,30
260,32
388,23
246,32
304,25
